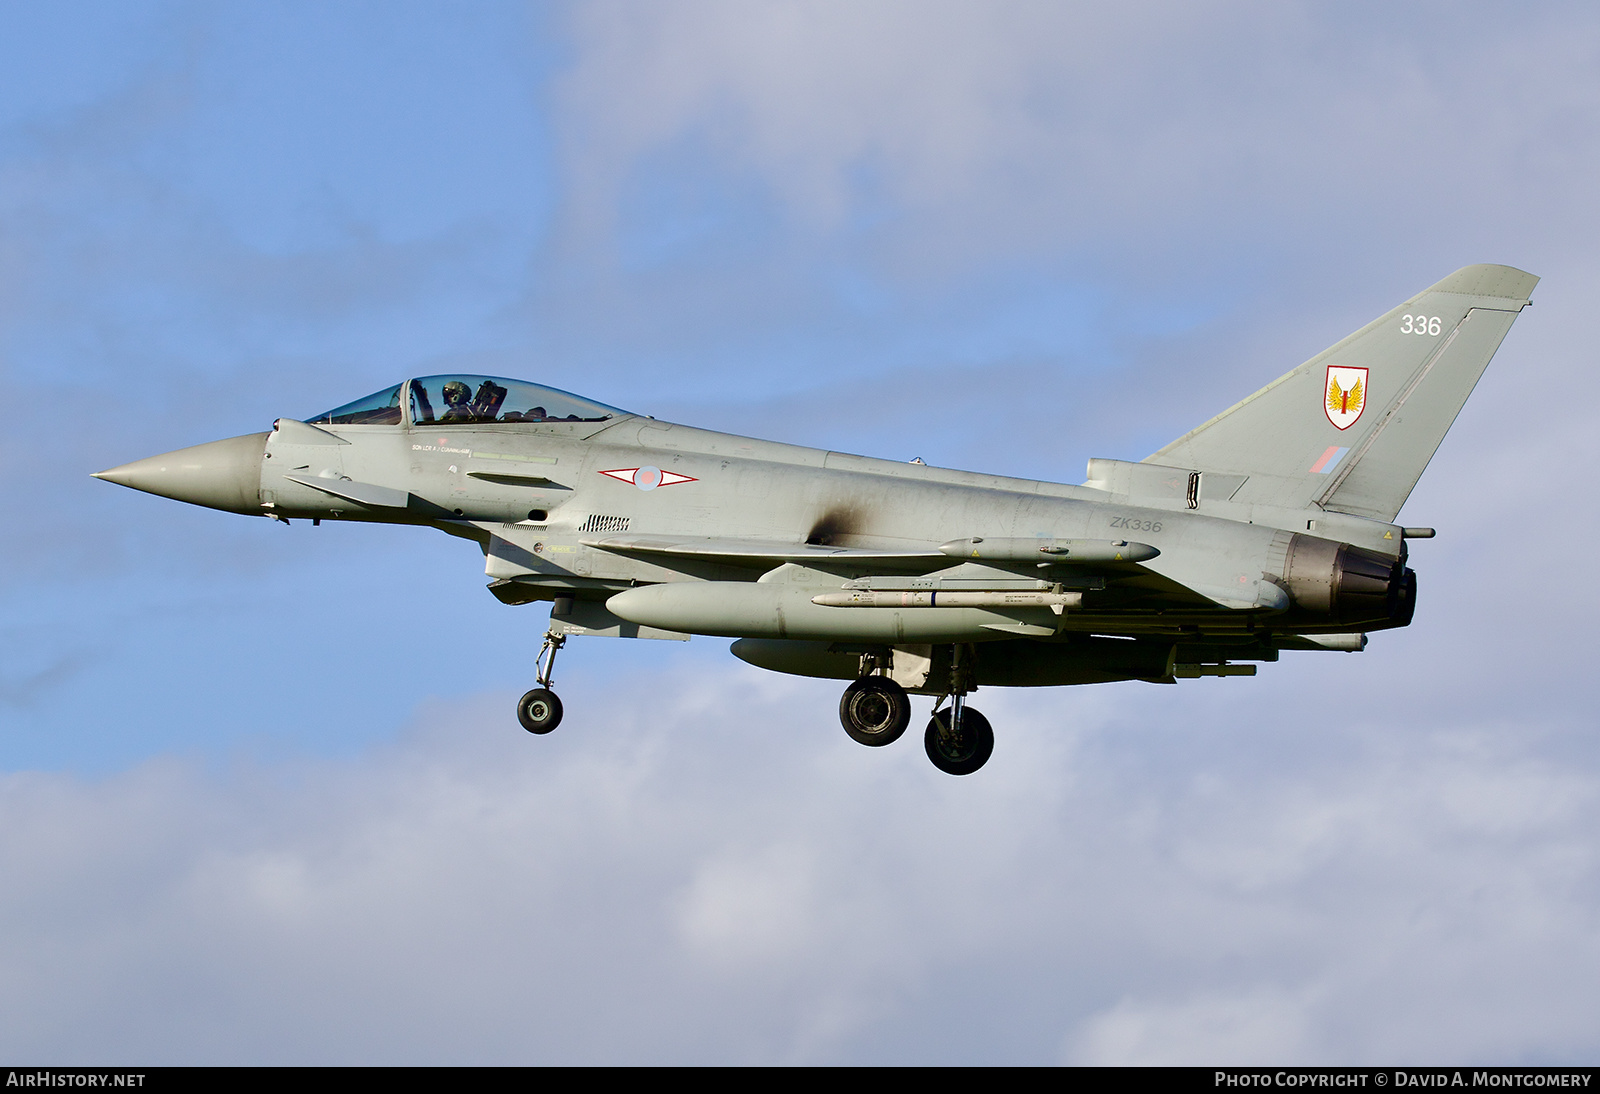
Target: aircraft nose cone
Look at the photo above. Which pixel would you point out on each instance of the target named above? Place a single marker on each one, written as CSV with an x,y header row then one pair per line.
x,y
219,475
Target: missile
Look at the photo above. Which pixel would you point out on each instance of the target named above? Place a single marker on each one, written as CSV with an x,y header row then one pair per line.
x,y
933,598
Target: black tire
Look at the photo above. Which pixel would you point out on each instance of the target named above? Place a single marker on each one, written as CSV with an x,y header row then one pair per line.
x,y
875,711
959,755
539,711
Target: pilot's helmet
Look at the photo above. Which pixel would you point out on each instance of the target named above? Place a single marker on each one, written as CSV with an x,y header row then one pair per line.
x,y
456,393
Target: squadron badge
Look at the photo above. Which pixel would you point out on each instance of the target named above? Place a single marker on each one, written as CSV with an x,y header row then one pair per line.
x,y
1346,395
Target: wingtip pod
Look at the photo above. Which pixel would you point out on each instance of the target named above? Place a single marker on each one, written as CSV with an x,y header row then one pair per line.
x,y
1501,282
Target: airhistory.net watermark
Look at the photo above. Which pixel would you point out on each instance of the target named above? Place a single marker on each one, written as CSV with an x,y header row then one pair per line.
x,y
50,1077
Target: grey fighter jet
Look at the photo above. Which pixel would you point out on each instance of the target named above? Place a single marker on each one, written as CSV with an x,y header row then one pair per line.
x,y
1268,528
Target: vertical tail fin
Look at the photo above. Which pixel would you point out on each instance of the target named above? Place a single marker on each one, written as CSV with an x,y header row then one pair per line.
x,y
1352,429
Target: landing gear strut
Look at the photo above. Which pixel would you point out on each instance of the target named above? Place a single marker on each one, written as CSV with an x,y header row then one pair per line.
x,y
539,711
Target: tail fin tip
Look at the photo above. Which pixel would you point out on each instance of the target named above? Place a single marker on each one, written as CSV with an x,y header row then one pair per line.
x,y
1503,282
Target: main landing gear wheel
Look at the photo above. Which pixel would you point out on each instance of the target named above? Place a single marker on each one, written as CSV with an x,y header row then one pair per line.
x,y
539,711
961,751
875,711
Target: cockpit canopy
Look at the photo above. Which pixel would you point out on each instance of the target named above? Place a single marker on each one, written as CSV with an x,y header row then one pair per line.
x,y
467,399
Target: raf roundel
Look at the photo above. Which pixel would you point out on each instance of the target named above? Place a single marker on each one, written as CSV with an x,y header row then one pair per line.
x,y
647,477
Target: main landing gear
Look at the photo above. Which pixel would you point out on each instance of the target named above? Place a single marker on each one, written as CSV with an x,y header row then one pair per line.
x,y
875,711
539,711
958,740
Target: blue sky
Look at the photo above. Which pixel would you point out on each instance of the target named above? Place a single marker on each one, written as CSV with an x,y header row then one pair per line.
x,y
261,795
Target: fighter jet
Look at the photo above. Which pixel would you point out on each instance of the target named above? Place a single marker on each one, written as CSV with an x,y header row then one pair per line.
x,y
1268,528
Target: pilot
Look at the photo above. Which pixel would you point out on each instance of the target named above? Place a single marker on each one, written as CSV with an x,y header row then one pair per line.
x,y
458,402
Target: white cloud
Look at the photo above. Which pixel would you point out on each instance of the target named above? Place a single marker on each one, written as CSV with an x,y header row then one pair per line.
x,y
987,132
706,870
1262,1027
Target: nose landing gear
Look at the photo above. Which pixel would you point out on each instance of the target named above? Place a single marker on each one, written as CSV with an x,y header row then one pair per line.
x,y
539,711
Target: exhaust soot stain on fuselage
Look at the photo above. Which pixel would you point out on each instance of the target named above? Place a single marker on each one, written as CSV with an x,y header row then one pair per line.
x,y
837,524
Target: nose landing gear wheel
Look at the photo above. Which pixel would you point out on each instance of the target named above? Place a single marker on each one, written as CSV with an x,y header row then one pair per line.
x,y
539,711
959,752
875,711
